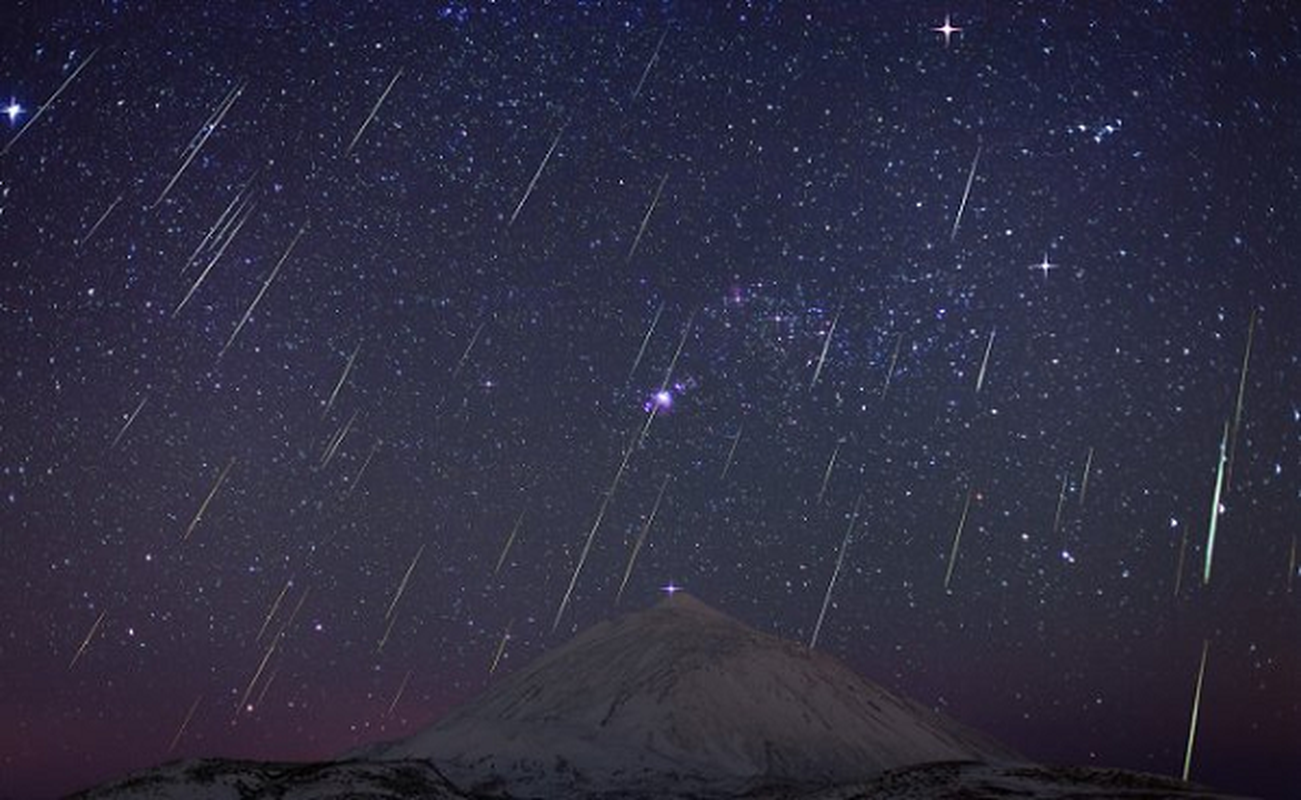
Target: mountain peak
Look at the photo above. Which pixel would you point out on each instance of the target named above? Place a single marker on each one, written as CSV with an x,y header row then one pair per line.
x,y
683,693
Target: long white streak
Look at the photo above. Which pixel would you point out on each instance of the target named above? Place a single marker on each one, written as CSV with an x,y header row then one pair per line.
x,y
957,539
213,230
129,420
984,362
645,220
520,206
212,263
501,648
840,560
184,724
894,359
1197,707
510,540
826,476
1215,505
641,538
731,454
1084,482
600,515
266,686
1061,501
373,112
211,494
207,130
265,285
248,690
645,341
645,73
402,587
356,481
822,359
971,177
86,642
346,369
46,105
82,241
468,348
1242,391
338,440
272,611
401,688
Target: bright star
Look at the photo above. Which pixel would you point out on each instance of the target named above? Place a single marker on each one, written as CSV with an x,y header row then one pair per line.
x,y
1044,266
13,111
947,30
671,589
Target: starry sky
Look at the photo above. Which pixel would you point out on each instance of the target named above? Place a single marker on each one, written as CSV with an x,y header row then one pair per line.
x,y
309,310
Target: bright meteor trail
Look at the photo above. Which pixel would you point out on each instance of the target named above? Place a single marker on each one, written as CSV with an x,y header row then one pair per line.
x,y
1215,505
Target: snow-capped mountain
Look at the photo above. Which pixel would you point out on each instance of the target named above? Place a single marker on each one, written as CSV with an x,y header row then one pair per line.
x,y
678,701
681,693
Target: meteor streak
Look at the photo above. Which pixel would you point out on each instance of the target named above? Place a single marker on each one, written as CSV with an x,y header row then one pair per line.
x,y
211,494
1061,502
265,285
1291,565
1242,391
971,177
356,480
402,587
510,540
826,476
373,112
840,560
184,724
213,261
731,453
1197,704
645,341
129,420
201,138
1084,482
646,219
984,362
81,242
957,538
537,175
248,690
46,105
333,446
272,612
86,642
894,359
649,64
401,688
346,369
501,648
641,539
822,359
468,348
1215,505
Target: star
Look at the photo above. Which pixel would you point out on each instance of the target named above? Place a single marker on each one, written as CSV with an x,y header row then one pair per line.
x,y
1045,266
947,29
13,111
671,589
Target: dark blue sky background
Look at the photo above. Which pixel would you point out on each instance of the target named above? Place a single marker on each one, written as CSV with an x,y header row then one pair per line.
x,y
816,157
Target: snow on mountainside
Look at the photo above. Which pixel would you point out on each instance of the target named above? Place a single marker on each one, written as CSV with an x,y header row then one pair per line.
x,y
684,694
675,702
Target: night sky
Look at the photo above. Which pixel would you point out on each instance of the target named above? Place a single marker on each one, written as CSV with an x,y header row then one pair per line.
x,y
488,211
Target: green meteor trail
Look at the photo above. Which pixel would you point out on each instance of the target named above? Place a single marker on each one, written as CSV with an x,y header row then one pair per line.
x,y
1215,505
